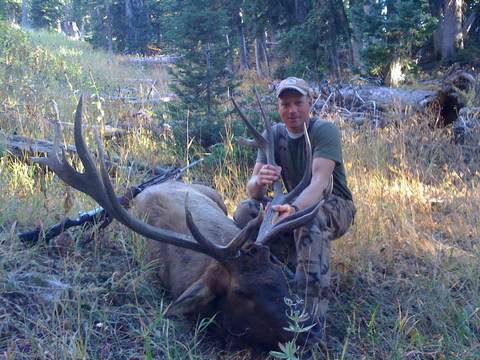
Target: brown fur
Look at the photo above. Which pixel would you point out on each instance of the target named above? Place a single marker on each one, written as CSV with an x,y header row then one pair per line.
x,y
163,206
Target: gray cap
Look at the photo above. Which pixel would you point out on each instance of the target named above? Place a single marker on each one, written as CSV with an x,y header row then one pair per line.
x,y
293,83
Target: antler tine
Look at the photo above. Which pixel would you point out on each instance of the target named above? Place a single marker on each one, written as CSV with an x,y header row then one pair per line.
x,y
88,182
246,233
291,222
261,142
268,124
214,249
270,151
230,250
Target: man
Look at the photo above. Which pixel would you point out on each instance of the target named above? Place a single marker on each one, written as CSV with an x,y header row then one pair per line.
x,y
312,242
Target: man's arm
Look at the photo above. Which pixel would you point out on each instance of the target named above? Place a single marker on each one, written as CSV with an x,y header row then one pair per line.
x,y
263,175
322,170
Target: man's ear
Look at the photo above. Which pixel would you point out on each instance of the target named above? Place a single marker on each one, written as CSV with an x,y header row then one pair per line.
x,y
197,296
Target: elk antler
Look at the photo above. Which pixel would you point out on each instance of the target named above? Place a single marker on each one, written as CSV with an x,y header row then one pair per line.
x,y
269,230
99,187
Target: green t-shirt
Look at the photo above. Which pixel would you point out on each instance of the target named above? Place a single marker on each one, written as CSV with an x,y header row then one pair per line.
x,y
326,143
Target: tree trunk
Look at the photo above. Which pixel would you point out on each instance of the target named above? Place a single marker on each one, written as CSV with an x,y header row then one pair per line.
x,y
395,74
229,64
243,42
436,10
261,60
367,8
300,11
452,29
130,24
258,60
109,35
359,12
243,49
332,39
25,22
208,59
265,54
343,26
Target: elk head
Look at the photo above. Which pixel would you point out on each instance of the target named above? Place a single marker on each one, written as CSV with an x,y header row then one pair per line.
x,y
243,283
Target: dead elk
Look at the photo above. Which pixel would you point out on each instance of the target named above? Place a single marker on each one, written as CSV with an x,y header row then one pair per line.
x,y
203,258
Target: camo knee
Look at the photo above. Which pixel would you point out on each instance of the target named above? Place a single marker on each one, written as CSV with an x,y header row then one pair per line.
x,y
338,214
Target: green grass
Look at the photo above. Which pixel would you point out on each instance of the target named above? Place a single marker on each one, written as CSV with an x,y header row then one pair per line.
x,y
406,277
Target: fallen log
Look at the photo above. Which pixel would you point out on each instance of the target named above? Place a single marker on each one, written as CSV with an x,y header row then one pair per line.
x,y
23,148
19,146
107,131
157,59
139,100
385,97
442,98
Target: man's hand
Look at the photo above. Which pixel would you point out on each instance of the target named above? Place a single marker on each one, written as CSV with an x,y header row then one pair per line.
x,y
267,175
283,211
263,176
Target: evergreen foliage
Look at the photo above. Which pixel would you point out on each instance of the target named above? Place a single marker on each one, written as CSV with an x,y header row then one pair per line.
x,y
46,13
10,10
310,38
197,32
394,29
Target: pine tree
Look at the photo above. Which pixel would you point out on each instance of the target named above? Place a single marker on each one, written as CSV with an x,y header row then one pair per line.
x,y
197,32
11,10
393,31
46,13
138,29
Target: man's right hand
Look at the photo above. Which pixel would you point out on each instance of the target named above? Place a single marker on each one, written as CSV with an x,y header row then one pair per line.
x,y
267,175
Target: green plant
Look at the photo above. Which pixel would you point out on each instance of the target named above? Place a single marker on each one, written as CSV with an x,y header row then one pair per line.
x,y
297,316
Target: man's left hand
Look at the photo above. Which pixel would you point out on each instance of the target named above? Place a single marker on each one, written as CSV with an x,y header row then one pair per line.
x,y
283,211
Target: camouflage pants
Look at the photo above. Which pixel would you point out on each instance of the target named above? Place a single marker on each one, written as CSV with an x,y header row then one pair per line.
x,y
312,248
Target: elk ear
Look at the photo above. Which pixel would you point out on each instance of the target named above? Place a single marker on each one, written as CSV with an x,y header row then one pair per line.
x,y
197,296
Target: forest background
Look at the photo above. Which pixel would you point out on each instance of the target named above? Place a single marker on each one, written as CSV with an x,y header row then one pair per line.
x,y
217,41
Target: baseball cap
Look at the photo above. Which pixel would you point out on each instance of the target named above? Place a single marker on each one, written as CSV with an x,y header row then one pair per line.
x,y
293,83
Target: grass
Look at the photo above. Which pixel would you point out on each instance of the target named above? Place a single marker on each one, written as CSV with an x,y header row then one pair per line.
x,y
406,277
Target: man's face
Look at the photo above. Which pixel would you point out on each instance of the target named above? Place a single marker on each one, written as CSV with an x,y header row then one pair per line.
x,y
294,109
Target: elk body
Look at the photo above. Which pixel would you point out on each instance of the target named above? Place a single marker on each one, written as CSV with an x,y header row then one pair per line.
x,y
246,292
208,264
